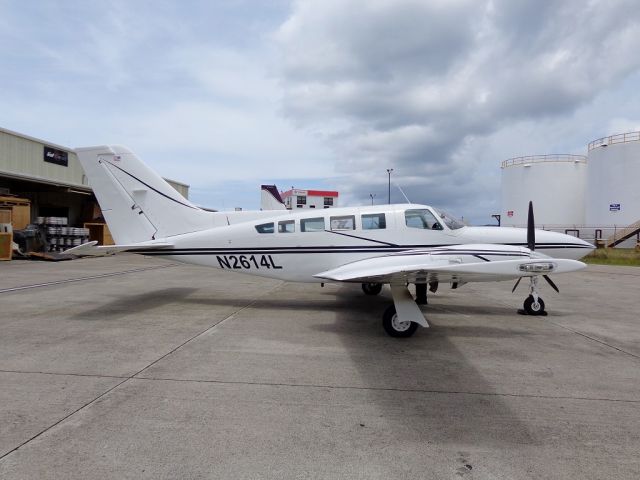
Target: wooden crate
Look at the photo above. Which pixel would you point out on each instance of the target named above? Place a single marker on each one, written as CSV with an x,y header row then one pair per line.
x,y
6,214
99,232
21,211
21,216
6,240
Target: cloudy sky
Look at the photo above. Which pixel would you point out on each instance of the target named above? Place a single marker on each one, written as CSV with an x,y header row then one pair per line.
x,y
225,95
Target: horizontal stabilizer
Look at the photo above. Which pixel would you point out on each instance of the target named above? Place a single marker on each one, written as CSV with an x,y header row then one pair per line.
x,y
92,249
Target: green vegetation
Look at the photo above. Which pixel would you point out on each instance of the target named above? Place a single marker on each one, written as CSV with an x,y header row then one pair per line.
x,y
614,256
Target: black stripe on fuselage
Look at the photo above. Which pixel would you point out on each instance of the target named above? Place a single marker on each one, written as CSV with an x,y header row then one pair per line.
x,y
149,186
403,251
362,238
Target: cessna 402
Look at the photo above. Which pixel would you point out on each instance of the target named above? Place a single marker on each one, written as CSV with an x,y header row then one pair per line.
x,y
372,245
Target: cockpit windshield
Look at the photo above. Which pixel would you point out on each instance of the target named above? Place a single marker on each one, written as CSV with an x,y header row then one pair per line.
x,y
449,220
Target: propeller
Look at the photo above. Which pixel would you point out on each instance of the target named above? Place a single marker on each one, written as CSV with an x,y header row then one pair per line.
x,y
550,282
516,285
531,245
531,229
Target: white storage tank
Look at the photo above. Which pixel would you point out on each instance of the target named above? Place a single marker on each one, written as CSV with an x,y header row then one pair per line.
x,y
613,181
556,185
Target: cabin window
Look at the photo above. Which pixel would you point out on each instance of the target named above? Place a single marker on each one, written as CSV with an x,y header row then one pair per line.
x,y
345,222
287,226
421,218
312,224
374,221
265,228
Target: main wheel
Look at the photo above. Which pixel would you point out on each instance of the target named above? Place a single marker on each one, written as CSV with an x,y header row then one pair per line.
x,y
394,327
372,288
533,308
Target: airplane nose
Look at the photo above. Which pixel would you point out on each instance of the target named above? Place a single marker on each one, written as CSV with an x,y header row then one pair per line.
x,y
562,245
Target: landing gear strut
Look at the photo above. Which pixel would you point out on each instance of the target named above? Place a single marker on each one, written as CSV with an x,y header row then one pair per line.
x,y
421,294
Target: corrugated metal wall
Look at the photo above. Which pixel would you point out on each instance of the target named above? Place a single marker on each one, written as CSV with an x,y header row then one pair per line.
x,y
25,157
181,188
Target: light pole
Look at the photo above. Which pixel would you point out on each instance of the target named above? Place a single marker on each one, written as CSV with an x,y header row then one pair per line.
x,y
389,170
372,195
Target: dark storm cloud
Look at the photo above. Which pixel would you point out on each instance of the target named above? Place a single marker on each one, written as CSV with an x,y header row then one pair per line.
x,y
407,84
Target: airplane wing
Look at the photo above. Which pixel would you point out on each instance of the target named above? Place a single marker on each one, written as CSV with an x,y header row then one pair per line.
x,y
92,249
461,267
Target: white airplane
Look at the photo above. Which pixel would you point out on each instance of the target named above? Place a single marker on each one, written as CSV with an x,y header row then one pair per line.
x,y
371,245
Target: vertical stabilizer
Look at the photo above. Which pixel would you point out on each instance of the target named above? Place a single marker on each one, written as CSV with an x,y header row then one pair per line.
x,y
137,203
270,198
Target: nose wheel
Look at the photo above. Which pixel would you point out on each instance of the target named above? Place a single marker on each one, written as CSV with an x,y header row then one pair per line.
x,y
533,307
533,304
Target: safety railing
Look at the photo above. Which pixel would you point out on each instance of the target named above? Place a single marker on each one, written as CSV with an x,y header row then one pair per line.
x,y
614,139
552,158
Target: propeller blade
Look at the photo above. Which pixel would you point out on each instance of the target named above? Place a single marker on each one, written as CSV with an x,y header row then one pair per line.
x,y
516,285
531,233
550,282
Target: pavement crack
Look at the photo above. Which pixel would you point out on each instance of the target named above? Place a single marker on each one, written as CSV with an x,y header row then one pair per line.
x,y
390,389
63,374
82,279
593,339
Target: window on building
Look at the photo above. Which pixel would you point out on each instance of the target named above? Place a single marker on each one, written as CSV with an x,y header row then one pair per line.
x,y
286,226
265,228
374,221
301,199
345,222
312,224
421,218
328,201
312,206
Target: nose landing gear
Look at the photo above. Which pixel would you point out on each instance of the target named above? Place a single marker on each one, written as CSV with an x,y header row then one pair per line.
x,y
533,304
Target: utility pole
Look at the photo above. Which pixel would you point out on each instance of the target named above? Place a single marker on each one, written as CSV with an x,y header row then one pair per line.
x,y
389,170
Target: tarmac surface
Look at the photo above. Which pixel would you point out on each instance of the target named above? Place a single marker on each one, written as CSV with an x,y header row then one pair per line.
x,y
132,367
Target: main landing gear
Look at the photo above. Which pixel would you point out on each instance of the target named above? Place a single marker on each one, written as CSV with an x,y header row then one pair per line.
x,y
402,319
396,327
371,288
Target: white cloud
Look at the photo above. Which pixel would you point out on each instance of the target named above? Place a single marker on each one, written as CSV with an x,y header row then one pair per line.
x,y
423,86
240,91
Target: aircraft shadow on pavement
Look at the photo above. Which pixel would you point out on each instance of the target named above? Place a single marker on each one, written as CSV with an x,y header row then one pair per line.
x,y
426,385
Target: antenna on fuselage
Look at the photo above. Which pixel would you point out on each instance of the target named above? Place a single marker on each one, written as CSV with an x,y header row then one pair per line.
x,y
402,192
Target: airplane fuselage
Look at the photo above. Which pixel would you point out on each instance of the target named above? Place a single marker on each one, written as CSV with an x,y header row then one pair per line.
x,y
296,245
